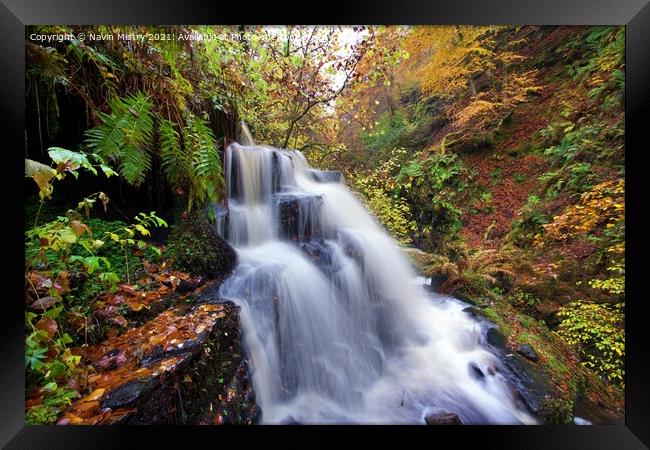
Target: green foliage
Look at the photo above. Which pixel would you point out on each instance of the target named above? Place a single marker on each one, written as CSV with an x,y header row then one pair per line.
x,y
126,236
55,399
125,136
597,331
602,67
528,222
382,196
206,178
557,411
389,132
495,176
474,273
519,177
614,285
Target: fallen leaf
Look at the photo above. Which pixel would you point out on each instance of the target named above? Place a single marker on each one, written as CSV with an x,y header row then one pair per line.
x,y
120,320
48,325
43,303
95,395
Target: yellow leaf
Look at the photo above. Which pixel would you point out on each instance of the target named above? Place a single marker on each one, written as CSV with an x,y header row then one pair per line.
x,y
95,395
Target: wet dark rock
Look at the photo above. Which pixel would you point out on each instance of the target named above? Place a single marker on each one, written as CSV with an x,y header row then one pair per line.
x,y
445,418
496,338
351,247
207,374
289,420
158,354
320,254
471,311
199,249
127,394
437,281
326,176
475,371
530,381
462,297
527,351
299,216
187,286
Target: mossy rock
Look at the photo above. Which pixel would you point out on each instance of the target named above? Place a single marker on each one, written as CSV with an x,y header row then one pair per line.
x,y
198,249
468,143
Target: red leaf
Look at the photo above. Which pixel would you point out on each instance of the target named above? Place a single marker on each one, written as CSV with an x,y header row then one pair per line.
x,y
48,325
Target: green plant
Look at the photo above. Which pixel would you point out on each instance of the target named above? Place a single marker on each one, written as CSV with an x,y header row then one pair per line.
x,y
125,136
557,411
614,285
597,331
528,222
495,176
126,236
66,162
526,299
195,164
473,273
519,177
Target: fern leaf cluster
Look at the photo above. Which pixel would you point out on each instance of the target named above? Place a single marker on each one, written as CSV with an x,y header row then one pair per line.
x,y
188,152
125,136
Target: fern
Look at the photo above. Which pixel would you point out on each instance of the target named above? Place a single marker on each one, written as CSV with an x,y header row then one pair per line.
x,y
176,163
206,166
125,136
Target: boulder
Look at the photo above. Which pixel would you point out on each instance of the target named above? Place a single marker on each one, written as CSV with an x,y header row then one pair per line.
x,y
299,216
496,338
527,351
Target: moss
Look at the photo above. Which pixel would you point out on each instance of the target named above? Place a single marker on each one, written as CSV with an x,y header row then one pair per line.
x,y
197,249
469,143
556,411
529,338
525,321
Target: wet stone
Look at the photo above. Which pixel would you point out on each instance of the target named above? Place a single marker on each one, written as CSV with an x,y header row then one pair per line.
x,y
326,176
475,371
527,351
495,338
127,394
320,254
299,216
445,418
437,281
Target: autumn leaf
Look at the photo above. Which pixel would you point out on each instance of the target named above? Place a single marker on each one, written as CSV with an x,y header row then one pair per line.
x,y
43,303
95,395
79,228
48,325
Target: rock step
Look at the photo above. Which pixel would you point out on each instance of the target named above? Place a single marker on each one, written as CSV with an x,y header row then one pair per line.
x,y
326,176
299,216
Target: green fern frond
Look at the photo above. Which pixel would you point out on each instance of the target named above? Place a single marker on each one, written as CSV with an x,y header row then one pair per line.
x,y
207,170
175,162
125,136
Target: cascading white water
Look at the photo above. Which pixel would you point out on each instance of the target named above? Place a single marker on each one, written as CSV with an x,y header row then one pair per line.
x,y
337,327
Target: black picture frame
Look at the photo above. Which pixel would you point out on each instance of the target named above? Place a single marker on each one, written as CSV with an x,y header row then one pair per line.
x,y
15,14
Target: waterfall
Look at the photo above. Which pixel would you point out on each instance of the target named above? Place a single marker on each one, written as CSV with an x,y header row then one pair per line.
x,y
245,137
338,327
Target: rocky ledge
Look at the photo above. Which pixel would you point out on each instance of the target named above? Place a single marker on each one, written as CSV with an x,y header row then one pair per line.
x,y
185,366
